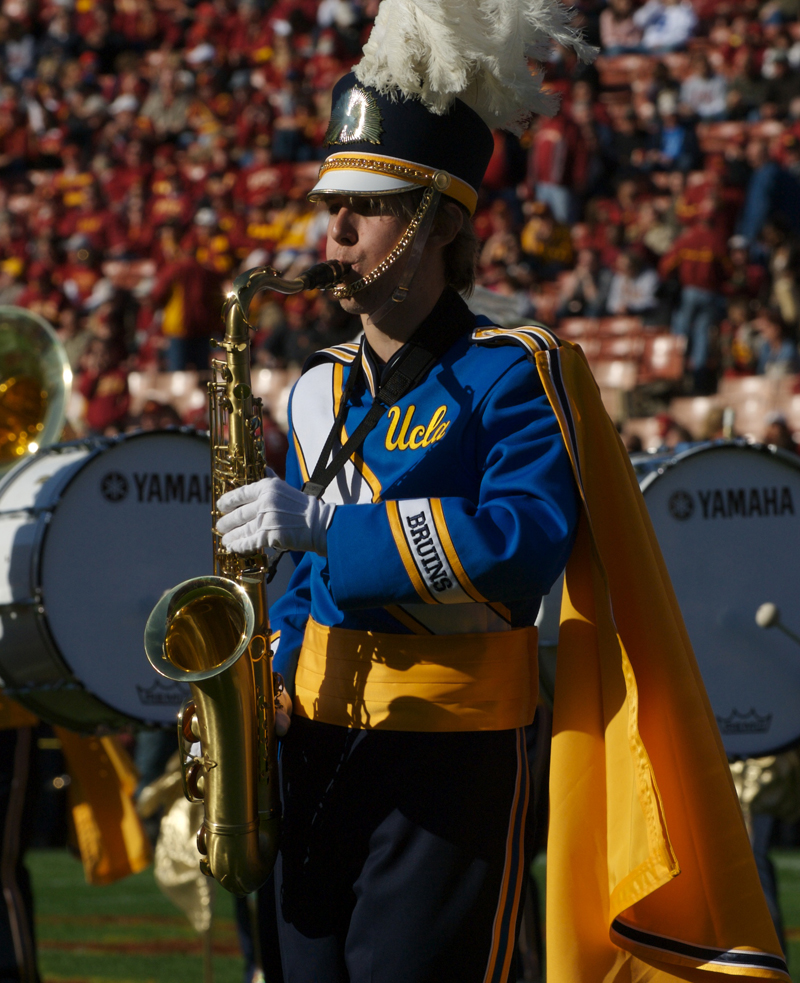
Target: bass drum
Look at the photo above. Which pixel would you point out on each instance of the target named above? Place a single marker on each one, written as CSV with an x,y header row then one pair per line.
x,y
727,518
91,534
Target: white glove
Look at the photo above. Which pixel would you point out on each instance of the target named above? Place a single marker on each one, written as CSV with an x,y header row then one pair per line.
x,y
271,514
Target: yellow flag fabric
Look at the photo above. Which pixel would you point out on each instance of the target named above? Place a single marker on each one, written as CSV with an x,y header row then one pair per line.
x,y
110,835
13,714
650,875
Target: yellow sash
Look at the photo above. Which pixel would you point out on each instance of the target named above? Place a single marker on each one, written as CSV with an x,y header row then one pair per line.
x,y
417,682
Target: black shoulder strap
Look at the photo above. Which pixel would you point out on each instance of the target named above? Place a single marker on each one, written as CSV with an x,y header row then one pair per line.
x,y
436,335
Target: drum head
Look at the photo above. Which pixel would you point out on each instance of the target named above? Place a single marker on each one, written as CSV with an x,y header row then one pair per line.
x,y
727,517
133,522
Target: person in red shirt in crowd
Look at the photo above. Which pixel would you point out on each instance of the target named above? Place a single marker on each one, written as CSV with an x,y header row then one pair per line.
x,y
745,279
259,232
103,383
71,180
78,276
250,36
41,295
550,166
208,244
17,142
700,258
12,240
262,180
92,220
134,234
190,297
170,203
135,171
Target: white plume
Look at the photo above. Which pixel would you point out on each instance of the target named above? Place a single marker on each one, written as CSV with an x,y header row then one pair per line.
x,y
435,50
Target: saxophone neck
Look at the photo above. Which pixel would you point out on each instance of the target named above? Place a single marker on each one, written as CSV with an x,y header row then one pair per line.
x,y
317,277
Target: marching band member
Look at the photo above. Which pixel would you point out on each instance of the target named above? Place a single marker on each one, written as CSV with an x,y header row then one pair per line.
x,y
441,474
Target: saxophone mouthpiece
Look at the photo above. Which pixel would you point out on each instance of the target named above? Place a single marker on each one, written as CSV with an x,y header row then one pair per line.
x,y
324,275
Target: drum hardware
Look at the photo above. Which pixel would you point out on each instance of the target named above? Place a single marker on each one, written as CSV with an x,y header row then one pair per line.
x,y
769,616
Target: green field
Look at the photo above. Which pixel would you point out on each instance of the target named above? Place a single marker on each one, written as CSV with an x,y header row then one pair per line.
x,y
130,933
124,933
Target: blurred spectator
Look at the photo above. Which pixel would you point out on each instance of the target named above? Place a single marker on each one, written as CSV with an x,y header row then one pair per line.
x,y
633,286
187,293
584,289
546,241
770,186
619,33
502,247
157,416
673,436
783,266
777,353
295,339
666,24
167,106
782,88
779,435
703,92
673,145
553,154
11,285
74,336
700,259
103,383
739,340
747,90
745,279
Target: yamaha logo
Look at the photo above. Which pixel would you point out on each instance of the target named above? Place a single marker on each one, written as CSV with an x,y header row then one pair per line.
x,y
744,723
162,694
681,505
114,486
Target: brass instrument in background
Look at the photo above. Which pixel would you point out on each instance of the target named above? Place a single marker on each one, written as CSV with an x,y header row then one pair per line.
x,y
213,632
35,384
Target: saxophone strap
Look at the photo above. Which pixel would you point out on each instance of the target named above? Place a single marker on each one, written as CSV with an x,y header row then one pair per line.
x,y
441,329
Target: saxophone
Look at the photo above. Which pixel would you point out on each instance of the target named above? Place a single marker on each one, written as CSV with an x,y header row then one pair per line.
x,y
213,632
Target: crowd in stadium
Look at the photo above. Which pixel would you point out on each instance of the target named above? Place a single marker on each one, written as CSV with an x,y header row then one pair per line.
x,y
152,149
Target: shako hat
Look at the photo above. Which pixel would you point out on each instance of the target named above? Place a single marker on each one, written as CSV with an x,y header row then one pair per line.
x,y
436,77
381,145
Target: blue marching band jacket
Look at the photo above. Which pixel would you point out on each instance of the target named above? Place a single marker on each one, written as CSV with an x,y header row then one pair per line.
x,y
455,517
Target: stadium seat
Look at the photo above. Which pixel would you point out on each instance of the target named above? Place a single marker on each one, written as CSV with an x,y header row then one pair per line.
x,y
662,357
186,391
620,325
576,328
616,374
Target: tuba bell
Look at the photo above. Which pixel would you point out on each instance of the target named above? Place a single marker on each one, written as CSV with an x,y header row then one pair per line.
x,y
35,385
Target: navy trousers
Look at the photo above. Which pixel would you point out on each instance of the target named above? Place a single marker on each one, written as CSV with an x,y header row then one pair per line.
x,y
402,855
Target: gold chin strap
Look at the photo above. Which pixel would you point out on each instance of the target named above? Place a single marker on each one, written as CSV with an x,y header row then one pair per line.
x,y
417,232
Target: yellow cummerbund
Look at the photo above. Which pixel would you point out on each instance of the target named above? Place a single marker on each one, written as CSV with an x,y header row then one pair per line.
x,y
368,679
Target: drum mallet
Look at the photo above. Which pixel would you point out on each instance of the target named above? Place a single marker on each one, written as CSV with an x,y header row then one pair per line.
x,y
769,616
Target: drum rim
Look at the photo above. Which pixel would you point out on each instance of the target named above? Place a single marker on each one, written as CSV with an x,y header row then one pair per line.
x,y
115,718
710,446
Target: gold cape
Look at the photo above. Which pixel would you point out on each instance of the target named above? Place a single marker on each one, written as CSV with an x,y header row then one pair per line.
x,y
650,875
